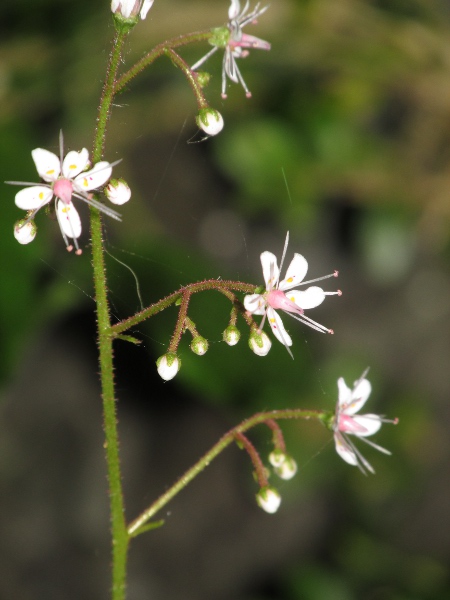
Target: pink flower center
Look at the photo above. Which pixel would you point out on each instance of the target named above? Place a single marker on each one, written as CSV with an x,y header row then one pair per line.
x,y
348,424
278,300
63,189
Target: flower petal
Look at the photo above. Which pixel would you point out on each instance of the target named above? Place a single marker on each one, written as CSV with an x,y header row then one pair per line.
x,y
370,424
278,328
33,197
344,450
295,273
146,6
309,298
68,219
255,304
250,41
94,178
75,162
359,396
270,269
47,164
345,394
234,9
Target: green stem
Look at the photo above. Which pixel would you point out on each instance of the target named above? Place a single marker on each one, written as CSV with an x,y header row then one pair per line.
x,y
158,51
120,537
135,527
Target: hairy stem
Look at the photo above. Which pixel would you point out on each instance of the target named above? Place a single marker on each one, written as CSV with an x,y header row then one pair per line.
x,y
120,537
211,284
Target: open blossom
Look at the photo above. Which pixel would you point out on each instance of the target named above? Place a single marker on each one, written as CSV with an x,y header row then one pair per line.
x,y
235,43
131,8
347,422
64,179
293,302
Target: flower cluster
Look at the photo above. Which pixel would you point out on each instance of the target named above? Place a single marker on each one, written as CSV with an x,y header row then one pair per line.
x,y
235,43
65,178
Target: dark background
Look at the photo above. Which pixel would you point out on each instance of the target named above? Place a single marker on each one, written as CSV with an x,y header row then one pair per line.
x,y
352,104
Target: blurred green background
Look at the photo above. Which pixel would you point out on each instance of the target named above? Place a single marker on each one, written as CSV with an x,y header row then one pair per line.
x,y
351,108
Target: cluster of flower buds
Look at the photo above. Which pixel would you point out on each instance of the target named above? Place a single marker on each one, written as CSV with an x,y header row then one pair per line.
x,y
283,464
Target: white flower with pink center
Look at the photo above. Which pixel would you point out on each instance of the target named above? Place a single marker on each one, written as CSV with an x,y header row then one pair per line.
x,y
64,179
235,43
347,422
279,295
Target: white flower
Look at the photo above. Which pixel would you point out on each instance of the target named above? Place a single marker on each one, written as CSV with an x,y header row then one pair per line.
x,y
117,191
210,120
259,343
168,365
25,231
347,423
235,42
131,8
294,303
64,179
268,499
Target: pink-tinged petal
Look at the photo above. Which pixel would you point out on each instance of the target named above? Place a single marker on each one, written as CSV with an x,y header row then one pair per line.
x,y
309,298
94,178
280,301
344,450
278,329
250,41
345,394
359,396
33,197
234,9
368,424
270,269
255,304
68,219
347,424
295,273
47,164
75,162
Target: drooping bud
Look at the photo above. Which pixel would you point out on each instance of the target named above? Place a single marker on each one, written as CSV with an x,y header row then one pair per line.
x,y
277,457
130,9
210,120
199,345
268,499
287,469
25,231
168,365
117,191
231,335
259,343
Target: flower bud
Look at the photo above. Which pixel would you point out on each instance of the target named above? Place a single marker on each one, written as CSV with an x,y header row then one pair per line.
x,y
130,9
199,345
231,335
210,120
117,191
268,499
25,231
287,469
168,365
277,457
259,343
